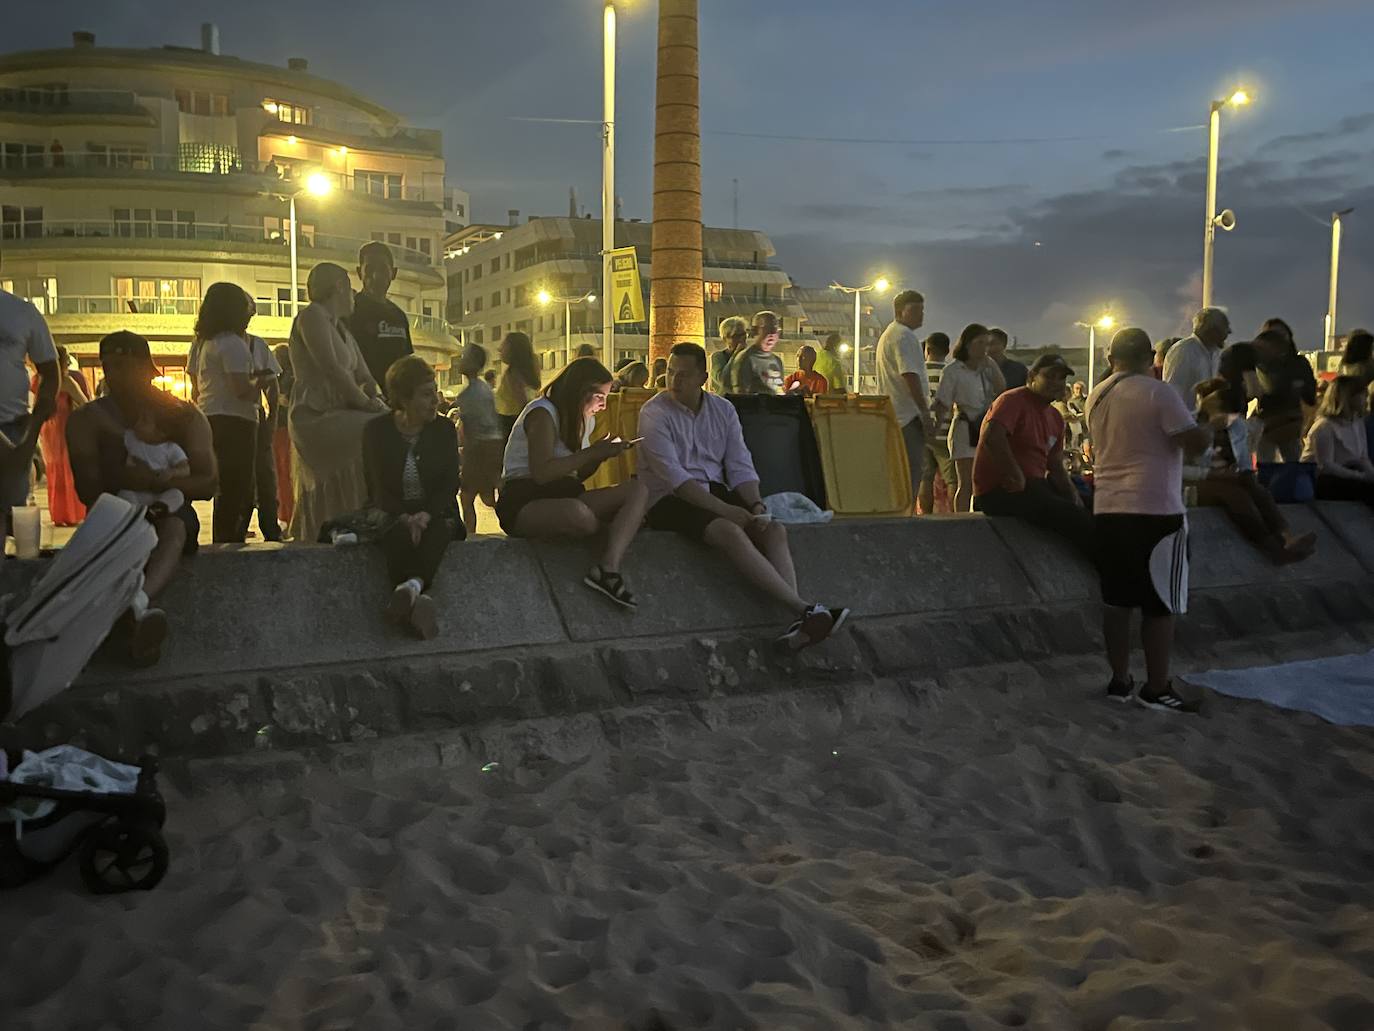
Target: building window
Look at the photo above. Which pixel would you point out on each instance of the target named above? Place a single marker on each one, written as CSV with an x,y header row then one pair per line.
x,y
202,102
21,155
496,264
20,223
714,291
476,272
293,114
40,291
162,223
476,304
465,275
284,300
420,245
118,155
496,299
377,184
139,295
507,259
54,95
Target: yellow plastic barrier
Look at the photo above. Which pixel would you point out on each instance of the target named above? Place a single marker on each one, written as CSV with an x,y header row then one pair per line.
x,y
620,418
863,456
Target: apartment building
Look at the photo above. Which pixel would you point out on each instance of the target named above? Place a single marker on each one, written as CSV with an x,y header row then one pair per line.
x,y
497,273
132,179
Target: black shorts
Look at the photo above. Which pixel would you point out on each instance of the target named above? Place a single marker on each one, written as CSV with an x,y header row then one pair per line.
x,y
672,513
514,495
1125,544
187,515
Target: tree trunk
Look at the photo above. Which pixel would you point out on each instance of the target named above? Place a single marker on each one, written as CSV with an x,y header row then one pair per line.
x,y
676,311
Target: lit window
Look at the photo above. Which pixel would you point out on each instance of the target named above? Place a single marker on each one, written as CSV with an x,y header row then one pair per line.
x,y
714,291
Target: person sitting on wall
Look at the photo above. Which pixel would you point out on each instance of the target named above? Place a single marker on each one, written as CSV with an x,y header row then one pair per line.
x,y
702,484
1230,482
410,457
1018,469
549,454
101,464
1337,443
633,376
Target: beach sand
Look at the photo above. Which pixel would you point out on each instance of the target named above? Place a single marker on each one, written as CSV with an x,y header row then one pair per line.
x,y
1001,849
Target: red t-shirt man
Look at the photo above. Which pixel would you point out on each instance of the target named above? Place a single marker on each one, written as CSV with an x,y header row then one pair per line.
x,y
1018,469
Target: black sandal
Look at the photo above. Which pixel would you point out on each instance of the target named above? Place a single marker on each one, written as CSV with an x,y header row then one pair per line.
x,y
612,585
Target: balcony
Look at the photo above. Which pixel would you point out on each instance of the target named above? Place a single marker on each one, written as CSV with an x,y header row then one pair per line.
x,y
198,236
331,129
60,102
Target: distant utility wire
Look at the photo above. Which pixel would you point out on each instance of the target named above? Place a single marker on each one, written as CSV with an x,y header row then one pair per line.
x,y
780,137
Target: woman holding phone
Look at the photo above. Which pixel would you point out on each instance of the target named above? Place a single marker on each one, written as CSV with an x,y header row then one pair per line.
x,y
549,454
968,386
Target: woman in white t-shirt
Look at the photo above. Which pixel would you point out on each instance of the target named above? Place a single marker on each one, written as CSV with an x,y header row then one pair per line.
x,y
968,386
549,454
223,385
1337,443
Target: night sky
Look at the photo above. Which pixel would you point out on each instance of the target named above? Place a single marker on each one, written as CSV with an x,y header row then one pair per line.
x,y
1080,99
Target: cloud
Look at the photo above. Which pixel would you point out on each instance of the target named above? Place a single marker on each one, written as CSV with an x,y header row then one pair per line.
x,y
1134,243
1350,125
1116,154
957,192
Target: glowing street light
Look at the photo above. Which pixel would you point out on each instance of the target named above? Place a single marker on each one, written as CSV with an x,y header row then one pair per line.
x,y
878,286
1225,219
317,184
1104,323
607,176
1330,343
545,299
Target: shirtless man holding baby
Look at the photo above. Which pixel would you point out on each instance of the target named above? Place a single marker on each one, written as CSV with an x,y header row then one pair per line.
x,y
103,462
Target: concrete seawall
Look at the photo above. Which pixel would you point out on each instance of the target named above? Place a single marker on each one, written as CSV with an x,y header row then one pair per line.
x,y
277,651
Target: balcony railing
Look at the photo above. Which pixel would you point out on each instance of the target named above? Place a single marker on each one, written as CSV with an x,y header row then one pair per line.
x,y
201,232
55,100
109,304
710,263
401,137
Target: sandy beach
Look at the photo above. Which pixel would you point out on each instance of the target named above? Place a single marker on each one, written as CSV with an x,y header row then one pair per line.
x,y
1001,849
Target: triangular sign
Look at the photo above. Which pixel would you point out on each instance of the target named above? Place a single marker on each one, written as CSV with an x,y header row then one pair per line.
x,y
627,309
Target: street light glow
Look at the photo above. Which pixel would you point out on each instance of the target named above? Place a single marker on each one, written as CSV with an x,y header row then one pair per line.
x,y
543,297
318,183
591,298
1239,98
881,285
1106,322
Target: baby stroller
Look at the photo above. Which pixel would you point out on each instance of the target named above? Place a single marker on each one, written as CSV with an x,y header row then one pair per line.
x,y
50,635
111,813
64,799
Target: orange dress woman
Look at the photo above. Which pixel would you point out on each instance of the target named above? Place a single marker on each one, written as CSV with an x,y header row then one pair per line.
x,y
64,507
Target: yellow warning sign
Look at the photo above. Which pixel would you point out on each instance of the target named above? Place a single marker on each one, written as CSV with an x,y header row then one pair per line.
x,y
626,294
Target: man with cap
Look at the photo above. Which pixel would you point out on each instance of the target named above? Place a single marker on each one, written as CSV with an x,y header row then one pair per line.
x,y
1018,469
96,441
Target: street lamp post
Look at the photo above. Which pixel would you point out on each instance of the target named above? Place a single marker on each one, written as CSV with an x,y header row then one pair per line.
x,y
608,183
1105,322
1330,343
317,184
879,285
1226,219
546,298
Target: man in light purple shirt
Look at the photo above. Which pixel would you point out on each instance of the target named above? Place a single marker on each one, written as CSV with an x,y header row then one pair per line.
x,y
702,484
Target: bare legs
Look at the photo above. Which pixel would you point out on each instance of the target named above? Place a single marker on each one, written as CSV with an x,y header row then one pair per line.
x,y
963,497
166,557
1157,638
762,556
621,507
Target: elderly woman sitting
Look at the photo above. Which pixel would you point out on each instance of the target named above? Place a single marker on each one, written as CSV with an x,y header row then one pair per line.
x,y
410,457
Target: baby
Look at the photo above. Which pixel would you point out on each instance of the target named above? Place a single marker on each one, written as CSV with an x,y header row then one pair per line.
x,y
148,445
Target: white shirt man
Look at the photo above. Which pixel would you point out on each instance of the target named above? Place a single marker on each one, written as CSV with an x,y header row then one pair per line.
x,y
1198,357
901,365
23,334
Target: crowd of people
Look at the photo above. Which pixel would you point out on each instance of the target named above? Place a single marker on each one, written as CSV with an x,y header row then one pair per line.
x,y
343,435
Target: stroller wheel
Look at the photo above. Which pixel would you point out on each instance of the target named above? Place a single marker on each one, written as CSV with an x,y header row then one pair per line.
x,y
119,856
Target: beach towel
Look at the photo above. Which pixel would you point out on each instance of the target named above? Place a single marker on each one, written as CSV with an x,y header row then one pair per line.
x,y
1340,689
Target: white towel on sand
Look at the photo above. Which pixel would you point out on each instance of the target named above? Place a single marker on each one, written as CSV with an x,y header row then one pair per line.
x,y
1340,689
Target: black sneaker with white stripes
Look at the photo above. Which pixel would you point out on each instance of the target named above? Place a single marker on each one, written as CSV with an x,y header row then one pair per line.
x,y
1166,701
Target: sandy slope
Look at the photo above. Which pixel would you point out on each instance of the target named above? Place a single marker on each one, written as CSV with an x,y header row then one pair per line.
x,y
997,851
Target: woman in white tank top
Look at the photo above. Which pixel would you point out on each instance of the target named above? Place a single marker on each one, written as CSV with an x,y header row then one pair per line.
x,y
549,454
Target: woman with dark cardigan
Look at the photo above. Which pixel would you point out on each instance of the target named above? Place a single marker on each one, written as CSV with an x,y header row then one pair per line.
x,y
410,457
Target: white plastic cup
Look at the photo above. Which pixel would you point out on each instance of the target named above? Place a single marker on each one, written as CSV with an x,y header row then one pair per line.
x,y
28,530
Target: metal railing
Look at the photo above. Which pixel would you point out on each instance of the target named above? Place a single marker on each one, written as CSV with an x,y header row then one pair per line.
x,y
61,100
113,304
199,232
120,164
